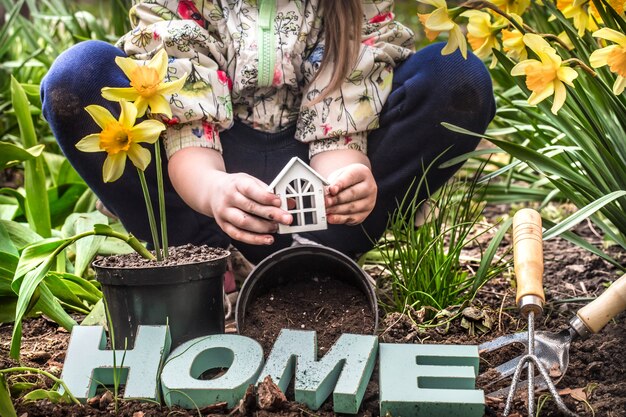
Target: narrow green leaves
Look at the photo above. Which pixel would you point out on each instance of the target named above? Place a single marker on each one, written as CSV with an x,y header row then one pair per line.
x,y
37,210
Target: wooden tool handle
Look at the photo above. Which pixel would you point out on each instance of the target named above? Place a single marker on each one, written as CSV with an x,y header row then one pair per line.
x,y
609,304
528,259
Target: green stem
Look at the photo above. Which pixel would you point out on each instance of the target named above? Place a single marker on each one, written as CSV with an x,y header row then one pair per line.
x,y
151,219
162,217
44,373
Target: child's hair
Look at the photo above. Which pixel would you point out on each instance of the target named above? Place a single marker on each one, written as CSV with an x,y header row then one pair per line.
x,y
343,20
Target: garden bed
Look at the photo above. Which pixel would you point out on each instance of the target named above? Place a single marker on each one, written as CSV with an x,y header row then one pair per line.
x,y
594,379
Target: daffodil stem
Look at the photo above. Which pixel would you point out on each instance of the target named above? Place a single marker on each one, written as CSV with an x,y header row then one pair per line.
x,y
162,217
151,219
557,40
578,63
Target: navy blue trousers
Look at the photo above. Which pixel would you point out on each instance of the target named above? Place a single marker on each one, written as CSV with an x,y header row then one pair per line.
x,y
428,89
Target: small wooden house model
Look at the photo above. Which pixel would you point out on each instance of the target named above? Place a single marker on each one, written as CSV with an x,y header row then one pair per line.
x,y
301,191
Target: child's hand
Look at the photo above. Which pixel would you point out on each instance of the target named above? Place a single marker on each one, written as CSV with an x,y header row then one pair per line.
x,y
351,195
245,210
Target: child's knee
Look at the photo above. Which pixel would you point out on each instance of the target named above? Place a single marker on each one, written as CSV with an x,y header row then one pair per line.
x,y
449,83
76,76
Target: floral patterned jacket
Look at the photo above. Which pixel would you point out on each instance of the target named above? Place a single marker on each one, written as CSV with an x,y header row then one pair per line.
x,y
253,60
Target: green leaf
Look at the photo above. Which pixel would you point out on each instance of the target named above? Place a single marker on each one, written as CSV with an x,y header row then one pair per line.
x,y
50,306
6,245
582,214
97,317
8,212
11,154
8,263
63,293
491,251
18,198
83,288
87,247
43,394
37,210
63,199
20,234
6,405
35,255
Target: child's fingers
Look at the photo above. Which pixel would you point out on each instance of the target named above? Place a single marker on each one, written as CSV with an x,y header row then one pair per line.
x,y
272,213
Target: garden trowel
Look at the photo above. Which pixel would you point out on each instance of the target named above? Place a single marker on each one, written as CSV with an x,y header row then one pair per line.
x,y
552,349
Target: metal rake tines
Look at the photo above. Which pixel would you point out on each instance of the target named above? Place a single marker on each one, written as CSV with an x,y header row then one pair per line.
x,y
531,359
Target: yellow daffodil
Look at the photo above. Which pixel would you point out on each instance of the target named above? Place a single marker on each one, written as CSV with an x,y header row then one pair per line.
x,y
513,6
440,21
617,5
579,13
613,55
120,138
147,87
546,76
513,44
481,33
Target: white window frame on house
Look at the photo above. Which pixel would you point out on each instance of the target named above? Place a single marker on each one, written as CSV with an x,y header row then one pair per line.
x,y
301,191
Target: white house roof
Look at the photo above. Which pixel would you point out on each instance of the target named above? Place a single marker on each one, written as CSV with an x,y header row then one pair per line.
x,y
296,161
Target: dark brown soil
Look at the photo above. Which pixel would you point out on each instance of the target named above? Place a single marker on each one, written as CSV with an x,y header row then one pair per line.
x,y
177,255
594,385
329,306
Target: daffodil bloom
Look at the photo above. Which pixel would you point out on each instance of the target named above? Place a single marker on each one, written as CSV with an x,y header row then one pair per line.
x,y
613,55
440,21
513,6
481,33
617,5
147,88
120,138
546,76
513,44
579,13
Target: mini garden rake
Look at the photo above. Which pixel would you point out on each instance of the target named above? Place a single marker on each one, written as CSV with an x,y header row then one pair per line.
x,y
528,260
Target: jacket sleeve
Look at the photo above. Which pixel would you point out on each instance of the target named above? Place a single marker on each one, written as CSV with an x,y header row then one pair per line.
x,y
195,45
343,118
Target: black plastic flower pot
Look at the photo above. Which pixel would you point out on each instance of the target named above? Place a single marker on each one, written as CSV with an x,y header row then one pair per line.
x,y
282,266
187,297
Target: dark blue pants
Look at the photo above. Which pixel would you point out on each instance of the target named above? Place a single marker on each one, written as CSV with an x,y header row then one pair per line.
x,y
427,89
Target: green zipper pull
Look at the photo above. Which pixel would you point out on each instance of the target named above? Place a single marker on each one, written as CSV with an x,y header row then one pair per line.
x,y
267,48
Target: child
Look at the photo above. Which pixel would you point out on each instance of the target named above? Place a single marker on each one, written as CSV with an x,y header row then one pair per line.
x,y
334,82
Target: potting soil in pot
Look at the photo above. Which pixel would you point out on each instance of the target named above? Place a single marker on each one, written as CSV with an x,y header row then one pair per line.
x,y
329,306
177,255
